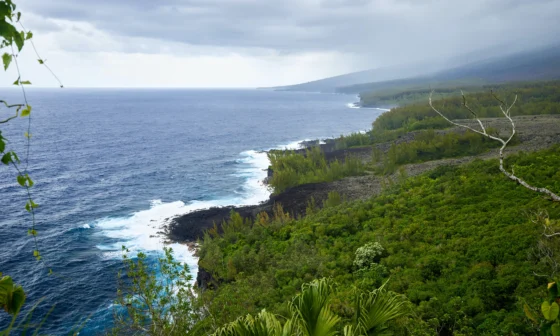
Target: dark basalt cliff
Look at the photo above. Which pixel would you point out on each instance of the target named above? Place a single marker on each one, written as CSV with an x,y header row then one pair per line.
x,y
191,226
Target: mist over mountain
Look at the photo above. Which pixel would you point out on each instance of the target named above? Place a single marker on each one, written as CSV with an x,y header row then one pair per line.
x,y
534,64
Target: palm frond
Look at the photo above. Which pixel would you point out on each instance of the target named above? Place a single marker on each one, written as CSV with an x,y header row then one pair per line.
x,y
374,309
350,330
312,311
264,324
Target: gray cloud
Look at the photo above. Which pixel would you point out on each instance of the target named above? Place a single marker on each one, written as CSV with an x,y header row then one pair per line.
x,y
381,31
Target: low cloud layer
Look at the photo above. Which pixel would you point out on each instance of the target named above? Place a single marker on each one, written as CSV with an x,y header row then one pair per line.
x,y
365,33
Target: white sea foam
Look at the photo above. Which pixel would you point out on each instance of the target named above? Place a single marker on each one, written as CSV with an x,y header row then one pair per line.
x,y
357,105
141,231
292,145
86,226
254,169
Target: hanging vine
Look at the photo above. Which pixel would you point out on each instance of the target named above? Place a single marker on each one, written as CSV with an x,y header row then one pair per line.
x,y
12,41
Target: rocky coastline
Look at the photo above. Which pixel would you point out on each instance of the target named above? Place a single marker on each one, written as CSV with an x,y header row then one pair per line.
x,y
535,133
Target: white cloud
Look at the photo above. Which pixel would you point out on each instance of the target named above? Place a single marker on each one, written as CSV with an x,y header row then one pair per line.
x,y
219,43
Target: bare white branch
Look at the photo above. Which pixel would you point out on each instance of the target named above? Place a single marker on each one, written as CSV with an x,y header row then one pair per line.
x,y
506,111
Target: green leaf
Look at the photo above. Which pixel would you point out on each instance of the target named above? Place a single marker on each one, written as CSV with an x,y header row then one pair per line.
x,y
12,297
5,9
18,298
26,82
6,158
36,254
7,31
550,311
30,182
27,135
6,59
21,180
2,145
41,61
18,16
555,329
18,39
30,205
529,313
16,82
32,232
26,111
29,35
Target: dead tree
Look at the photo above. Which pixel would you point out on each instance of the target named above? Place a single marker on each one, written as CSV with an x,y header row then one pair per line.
x,y
506,111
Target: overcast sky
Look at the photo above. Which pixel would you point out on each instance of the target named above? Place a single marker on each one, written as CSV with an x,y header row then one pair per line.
x,y
250,43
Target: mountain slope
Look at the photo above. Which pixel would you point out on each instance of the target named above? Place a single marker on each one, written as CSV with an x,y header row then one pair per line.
x,y
536,64
541,64
381,74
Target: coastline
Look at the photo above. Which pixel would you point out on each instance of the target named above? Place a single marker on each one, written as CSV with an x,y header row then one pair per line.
x,y
186,229
536,132
189,227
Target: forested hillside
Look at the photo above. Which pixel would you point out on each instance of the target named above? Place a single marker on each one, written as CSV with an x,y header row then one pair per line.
x,y
417,122
463,243
458,242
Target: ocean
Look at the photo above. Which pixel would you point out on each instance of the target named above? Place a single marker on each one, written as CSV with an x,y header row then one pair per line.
x,y
111,165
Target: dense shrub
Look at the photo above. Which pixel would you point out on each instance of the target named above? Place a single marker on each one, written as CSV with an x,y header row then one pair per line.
x,y
456,243
291,169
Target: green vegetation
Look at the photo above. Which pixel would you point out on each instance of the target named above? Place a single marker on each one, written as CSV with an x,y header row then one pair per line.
x,y
12,295
354,140
550,325
429,145
401,97
455,241
292,169
533,99
311,314
13,38
156,300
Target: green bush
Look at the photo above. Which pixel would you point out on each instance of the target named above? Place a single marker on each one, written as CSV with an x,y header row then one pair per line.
x,y
291,169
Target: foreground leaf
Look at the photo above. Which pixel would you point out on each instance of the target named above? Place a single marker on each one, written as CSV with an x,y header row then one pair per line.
x,y
26,111
550,311
6,59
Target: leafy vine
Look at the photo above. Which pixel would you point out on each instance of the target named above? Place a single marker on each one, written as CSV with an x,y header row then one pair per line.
x,y
12,41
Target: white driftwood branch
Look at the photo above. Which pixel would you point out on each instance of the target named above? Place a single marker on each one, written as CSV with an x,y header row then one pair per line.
x,y
506,111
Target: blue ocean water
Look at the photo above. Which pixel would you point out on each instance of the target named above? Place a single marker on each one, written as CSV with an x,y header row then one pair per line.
x,y
111,165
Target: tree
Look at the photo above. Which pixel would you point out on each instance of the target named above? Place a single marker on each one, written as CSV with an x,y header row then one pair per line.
x,y
506,111
156,301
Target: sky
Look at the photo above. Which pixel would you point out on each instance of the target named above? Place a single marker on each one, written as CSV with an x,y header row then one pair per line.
x,y
254,43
